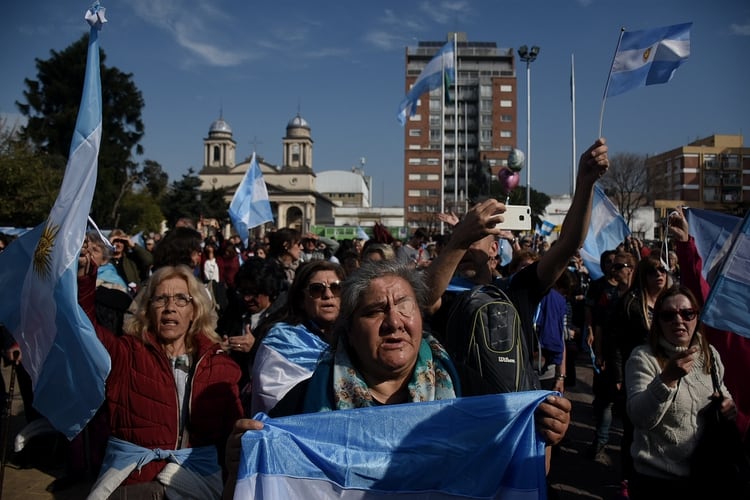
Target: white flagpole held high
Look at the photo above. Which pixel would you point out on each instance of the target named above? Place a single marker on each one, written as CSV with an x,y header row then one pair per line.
x,y
455,122
573,109
442,151
606,86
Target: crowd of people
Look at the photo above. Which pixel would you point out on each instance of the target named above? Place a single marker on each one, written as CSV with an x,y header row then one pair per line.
x,y
205,332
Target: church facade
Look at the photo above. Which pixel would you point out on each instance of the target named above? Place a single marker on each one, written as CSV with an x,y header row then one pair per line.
x,y
294,198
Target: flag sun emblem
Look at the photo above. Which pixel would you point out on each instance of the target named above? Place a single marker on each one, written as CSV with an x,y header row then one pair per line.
x,y
646,54
43,252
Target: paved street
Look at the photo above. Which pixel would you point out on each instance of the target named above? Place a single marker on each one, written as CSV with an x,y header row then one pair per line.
x,y
573,474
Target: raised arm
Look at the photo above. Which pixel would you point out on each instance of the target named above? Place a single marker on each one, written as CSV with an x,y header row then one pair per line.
x,y
478,222
592,165
690,260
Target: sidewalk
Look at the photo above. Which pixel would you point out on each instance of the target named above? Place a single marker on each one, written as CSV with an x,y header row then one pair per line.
x,y
573,474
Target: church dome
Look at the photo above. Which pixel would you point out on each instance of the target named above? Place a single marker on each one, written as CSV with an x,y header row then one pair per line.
x,y
220,126
298,122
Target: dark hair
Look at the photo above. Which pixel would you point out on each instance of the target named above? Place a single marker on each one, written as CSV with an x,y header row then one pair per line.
x,y
605,256
279,241
262,275
656,332
177,247
294,312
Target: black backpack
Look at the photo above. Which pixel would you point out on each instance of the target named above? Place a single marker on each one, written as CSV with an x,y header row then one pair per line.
x,y
485,338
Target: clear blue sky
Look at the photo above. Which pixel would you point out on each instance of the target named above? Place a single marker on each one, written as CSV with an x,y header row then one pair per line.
x,y
342,65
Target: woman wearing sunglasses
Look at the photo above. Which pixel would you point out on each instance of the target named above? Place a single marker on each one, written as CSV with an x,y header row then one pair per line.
x,y
668,382
290,350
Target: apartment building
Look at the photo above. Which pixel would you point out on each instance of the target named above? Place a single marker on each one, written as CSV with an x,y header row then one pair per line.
x,y
476,127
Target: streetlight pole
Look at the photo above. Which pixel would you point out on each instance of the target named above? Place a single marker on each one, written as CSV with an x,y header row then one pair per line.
x,y
528,56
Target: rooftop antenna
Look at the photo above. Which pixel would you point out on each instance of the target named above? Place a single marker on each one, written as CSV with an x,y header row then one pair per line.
x,y
255,143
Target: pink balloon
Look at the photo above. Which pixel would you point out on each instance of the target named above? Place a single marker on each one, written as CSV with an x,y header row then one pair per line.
x,y
508,180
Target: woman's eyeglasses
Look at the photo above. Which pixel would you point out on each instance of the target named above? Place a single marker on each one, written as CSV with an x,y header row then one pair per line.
x,y
685,314
654,271
180,300
618,266
316,290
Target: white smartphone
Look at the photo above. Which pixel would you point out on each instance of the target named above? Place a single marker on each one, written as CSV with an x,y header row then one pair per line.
x,y
516,218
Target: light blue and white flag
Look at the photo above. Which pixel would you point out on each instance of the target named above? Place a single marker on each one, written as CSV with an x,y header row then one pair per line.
x,y
710,230
478,447
727,306
440,68
546,228
361,234
607,229
250,205
67,363
648,57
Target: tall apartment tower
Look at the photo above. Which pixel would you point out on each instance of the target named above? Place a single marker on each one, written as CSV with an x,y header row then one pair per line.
x,y
479,122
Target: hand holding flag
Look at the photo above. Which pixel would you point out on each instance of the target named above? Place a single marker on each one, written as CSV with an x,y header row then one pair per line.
x,y
250,205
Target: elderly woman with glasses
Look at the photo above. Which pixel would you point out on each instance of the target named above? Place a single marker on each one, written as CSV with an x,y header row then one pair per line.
x,y
171,393
289,351
668,382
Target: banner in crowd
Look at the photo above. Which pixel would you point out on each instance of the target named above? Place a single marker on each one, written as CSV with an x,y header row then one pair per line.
x,y
479,447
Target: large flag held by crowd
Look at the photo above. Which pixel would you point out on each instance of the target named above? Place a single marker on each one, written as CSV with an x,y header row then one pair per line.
x,y
648,57
38,300
440,69
479,447
607,229
710,230
250,205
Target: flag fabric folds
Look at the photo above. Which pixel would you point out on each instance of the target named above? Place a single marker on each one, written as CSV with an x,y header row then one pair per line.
x,y
727,307
478,447
648,57
250,205
710,230
39,300
607,229
441,66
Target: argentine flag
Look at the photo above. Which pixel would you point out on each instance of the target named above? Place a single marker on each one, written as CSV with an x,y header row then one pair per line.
x,y
710,230
727,306
648,57
39,300
440,68
607,229
478,447
250,205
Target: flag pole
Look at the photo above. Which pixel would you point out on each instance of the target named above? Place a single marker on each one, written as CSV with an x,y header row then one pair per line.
x,y
573,113
606,86
455,121
442,148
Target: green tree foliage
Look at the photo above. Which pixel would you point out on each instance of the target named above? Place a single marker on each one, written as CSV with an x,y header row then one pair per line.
x,y
51,107
140,212
28,185
183,199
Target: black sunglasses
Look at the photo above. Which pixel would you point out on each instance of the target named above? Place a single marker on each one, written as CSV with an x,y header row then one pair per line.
x,y
316,290
657,270
619,266
685,314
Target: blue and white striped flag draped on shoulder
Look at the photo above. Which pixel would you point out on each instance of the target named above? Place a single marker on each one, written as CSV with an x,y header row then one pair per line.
x,y
67,363
479,447
607,229
648,57
727,306
250,205
432,76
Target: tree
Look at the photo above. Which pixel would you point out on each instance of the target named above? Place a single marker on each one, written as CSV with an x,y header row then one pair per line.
x,y
140,212
28,185
52,108
627,183
183,199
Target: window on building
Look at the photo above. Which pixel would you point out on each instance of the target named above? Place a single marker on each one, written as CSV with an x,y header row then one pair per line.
x,y
506,88
433,161
414,146
485,91
486,104
505,147
435,135
435,106
487,120
506,134
485,135
709,161
505,103
295,153
506,118
415,132
217,154
415,161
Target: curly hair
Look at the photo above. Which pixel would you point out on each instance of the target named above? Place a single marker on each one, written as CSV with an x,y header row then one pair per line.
x,y
141,320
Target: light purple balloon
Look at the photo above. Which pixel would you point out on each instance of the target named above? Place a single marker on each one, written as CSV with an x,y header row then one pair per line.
x,y
508,180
